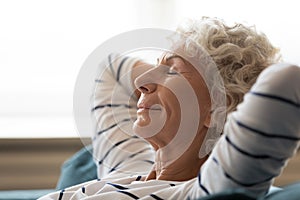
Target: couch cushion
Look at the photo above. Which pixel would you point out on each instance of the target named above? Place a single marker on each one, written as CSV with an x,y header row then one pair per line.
x,y
291,192
237,194
23,194
78,169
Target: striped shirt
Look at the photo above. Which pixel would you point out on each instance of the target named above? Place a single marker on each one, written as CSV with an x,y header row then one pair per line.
x,y
257,141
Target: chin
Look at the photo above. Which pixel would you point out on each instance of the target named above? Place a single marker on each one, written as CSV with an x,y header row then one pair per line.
x,y
149,128
142,126
144,130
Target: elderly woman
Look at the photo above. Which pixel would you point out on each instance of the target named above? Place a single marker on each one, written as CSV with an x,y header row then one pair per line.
x,y
148,160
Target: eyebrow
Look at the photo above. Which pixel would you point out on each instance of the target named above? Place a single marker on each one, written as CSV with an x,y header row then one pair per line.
x,y
168,56
173,56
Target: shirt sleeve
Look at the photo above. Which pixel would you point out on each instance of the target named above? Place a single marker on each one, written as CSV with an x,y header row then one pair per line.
x,y
115,148
258,138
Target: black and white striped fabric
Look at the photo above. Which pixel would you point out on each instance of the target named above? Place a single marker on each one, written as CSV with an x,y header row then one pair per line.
x,y
258,139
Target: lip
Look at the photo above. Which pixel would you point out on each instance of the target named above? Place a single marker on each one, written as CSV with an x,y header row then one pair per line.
x,y
148,107
143,110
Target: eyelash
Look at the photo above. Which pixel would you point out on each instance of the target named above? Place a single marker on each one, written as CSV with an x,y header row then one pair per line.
x,y
172,72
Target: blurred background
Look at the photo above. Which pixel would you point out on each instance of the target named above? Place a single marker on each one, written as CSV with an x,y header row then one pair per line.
x,y
44,43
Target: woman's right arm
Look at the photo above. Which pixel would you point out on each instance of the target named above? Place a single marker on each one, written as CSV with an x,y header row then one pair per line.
x,y
115,148
258,138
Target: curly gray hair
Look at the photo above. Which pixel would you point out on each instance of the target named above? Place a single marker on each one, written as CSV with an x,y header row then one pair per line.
x,y
239,52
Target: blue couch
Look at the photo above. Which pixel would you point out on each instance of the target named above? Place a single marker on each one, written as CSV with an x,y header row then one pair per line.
x,y
80,164
80,168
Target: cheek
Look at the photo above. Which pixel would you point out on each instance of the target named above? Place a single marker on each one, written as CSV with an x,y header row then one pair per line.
x,y
204,101
149,122
187,98
171,104
173,114
169,99
203,96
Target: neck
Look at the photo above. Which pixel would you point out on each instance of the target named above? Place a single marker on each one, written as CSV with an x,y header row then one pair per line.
x,y
178,172
186,167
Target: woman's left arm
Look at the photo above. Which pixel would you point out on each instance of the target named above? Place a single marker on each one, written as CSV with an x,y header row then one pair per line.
x,y
258,138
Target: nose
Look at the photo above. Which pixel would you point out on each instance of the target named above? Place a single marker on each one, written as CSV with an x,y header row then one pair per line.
x,y
147,88
147,82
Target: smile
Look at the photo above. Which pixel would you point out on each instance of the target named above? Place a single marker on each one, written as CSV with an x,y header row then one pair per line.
x,y
155,107
148,105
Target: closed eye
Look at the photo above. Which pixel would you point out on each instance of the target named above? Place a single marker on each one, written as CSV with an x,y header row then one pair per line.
x,y
172,72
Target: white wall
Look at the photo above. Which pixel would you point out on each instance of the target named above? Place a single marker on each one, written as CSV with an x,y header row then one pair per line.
x,y
44,43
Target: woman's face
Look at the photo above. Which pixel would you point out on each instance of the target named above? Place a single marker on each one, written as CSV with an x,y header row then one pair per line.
x,y
167,91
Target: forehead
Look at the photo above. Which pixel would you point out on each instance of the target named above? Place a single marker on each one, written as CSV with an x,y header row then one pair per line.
x,y
167,56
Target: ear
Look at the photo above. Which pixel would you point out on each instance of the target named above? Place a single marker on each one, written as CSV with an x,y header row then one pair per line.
x,y
207,120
